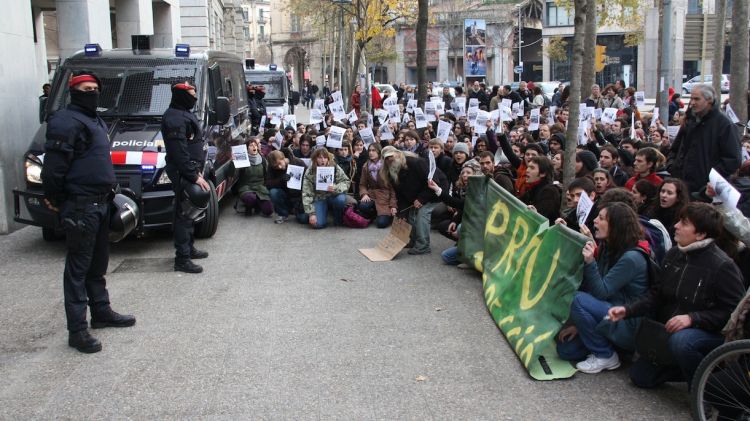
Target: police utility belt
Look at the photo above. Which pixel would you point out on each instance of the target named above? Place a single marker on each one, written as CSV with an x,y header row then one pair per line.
x,y
95,199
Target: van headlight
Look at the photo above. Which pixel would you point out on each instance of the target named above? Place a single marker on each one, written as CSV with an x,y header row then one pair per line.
x,y
33,169
163,179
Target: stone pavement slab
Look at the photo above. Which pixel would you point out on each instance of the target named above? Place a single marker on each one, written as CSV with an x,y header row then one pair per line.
x,y
285,323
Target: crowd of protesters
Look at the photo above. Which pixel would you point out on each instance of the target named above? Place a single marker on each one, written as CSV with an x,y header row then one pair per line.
x,y
648,181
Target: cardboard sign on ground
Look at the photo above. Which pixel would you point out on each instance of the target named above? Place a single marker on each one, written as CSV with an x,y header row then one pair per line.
x,y
392,244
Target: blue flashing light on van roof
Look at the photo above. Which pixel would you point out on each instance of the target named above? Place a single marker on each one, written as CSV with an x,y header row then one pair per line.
x,y
182,50
272,67
92,50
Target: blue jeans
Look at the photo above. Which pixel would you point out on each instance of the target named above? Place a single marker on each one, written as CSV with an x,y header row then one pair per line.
x,y
381,221
420,222
586,312
450,256
689,347
281,202
337,203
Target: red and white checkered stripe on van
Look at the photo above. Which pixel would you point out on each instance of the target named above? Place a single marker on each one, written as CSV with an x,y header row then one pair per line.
x,y
138,158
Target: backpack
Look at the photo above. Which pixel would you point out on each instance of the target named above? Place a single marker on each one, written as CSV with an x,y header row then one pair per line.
x,y
657,237
652,268
353,219
547,101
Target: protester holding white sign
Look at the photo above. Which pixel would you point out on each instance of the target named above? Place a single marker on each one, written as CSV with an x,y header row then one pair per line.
x,y
324,188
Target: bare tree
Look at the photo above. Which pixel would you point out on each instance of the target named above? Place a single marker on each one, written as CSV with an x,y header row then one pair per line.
x,y
579,23
738,71
588,72
718,59
422,16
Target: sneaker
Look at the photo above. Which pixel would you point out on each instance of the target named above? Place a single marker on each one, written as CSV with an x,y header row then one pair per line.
x,y
593,364
280,219
415,252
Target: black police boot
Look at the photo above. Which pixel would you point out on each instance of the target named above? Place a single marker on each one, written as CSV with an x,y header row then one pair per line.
x,y
186,265
198,254
109,318
84,342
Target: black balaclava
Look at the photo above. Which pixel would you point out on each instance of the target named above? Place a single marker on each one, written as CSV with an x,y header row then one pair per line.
x,y
86,100
181,98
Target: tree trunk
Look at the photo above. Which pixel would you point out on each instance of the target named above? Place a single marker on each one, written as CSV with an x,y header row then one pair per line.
x,y
718,58
738,71
422,51
588,72
660,5
581,9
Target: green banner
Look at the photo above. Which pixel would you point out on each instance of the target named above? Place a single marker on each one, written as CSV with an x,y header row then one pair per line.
x,y
529,272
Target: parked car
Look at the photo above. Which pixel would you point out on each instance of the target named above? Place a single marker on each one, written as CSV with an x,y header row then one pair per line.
x,y
135,92
688,86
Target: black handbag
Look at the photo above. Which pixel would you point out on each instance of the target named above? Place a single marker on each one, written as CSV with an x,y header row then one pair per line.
x,y
652,343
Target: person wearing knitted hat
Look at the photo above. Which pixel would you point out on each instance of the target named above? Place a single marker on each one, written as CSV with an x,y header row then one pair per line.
x,y
586,162
77,178
183,142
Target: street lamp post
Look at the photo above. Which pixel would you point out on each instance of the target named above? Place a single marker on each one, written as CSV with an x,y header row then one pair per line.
x,y
520,41
342,74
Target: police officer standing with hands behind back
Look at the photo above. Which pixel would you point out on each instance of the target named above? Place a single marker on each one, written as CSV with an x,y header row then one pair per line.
x,y
78,178
184,163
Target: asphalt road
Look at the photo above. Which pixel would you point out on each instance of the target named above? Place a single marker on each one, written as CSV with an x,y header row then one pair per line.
x,y
285,323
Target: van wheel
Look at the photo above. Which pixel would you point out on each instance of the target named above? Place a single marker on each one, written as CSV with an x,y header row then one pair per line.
x,y
207,227
49,234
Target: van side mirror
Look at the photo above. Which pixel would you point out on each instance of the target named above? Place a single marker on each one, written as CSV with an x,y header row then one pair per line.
x,y
221,111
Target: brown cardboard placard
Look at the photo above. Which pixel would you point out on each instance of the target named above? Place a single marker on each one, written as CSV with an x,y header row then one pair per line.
x,y
392,244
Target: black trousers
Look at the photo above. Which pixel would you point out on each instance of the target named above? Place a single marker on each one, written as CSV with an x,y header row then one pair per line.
x,y
86,225
183,229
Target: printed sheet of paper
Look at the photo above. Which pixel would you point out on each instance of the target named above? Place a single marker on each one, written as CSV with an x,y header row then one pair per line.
x,y
352,117
275,114
471,114
367,136
551,114
516,107
307,162
480,124
459,108
444,130
385,132
672,131
419,118
609,115
337,109
295,176
320,105
320,141
382,115
506,102
433,165
262,126
240,157
584,208
394,114
316,117
324,178
506,114
429,111
534,119
473,102
391,100
278,140
337,97
392,244
655,116
370,121
725,192
732,116
598,114
640,99
290,120
335,137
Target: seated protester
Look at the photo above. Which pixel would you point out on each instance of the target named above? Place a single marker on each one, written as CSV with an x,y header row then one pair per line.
x,y
698,289
460,156
346,162
480,146
317,203
540,192
644,167
375,196
501,175
586,162
285,201
557,164
614,274
644,195
609,159
602,181
556,143
673,197
251,183
576,189
407,173
412,143
360,156
305,148
520,165
454,199
442,161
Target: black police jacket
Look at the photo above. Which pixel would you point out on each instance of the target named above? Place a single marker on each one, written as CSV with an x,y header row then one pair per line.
x,y
77,158
184,144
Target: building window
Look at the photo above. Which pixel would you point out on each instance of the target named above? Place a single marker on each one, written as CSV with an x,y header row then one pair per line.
x,y
294,23
245,15
246,31
558,15
261,33
695,7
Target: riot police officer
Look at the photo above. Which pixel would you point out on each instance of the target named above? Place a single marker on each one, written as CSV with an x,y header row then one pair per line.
x,y
78,178
184,163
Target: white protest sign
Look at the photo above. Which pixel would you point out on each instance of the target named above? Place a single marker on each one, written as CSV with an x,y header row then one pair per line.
x,y
439,108
444,130
324,178
672,131
367,136
436,99
582,138
732,116
640,99
337,97
534,120
295,176
391,100
385,132
419,118
584,208
480,124
320,105
370,122
654,116
290,120
460,109
725,192
410,96
262,124
429,111
320,141
517,108
352,117
316,117
410,105
307,161
278,140
406,118
551,114
506,114
473,102
335,137
275,114
506,102
394,114
598,113
609,115
337,109
382,115
471,114
240,156
433,165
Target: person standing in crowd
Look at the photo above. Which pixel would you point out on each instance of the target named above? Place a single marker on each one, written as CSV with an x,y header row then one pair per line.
x,y
615,273
43,101
317,203
407,174
707,140
77,178
184,143
698,289
477,92
355,100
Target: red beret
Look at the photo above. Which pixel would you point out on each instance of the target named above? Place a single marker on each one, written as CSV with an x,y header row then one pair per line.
x,y
184,86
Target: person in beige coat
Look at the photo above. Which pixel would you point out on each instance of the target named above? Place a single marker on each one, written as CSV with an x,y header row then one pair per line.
x,y
374,194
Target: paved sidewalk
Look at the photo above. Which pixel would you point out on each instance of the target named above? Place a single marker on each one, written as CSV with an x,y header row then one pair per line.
x,y
285,323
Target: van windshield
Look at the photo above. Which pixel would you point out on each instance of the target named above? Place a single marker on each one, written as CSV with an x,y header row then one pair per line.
x,y
133,91
273,82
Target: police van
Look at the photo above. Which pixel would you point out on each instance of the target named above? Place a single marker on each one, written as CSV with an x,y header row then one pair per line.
x,y
135,92
276,86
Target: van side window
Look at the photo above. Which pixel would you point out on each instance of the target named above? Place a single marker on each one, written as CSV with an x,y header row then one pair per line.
x,y
216,85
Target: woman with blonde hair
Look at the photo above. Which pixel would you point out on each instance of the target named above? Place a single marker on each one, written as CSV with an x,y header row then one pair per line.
x,y
316,203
